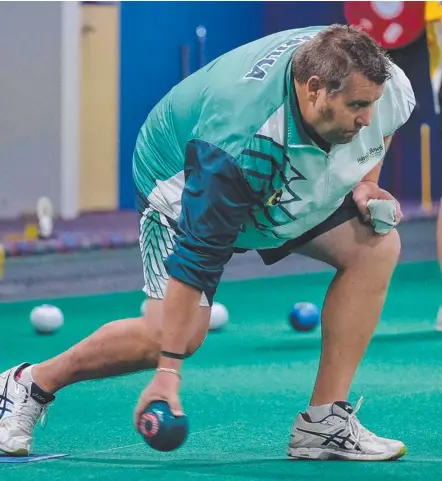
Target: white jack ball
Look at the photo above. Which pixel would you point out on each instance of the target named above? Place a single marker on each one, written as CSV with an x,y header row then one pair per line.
x,y
46,319
219,317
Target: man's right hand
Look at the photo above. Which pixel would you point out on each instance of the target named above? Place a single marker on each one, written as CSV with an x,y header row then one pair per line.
x,y
163,387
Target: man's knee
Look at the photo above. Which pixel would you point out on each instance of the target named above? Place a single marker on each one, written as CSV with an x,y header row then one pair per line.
x,y
200,333
389,248
152,329
381,253
194,344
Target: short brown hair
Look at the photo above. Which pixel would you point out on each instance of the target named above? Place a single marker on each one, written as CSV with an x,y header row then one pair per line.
x,y
334,53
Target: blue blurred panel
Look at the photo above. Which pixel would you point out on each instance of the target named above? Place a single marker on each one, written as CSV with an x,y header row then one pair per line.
x,y
151,36
287,15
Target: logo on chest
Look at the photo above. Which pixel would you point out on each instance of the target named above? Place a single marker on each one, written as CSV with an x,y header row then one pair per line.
x,y
275,198
372,152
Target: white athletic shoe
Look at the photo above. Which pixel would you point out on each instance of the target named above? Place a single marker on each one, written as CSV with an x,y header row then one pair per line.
x,y
22,405
340,435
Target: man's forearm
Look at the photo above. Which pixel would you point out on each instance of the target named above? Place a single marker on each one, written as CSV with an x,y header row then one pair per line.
x,y
180,309
374,174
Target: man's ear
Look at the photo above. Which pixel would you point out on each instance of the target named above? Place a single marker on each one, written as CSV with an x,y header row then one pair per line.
x,y
314,84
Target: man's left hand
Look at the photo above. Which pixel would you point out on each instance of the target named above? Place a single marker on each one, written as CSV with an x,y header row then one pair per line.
x,y
367,190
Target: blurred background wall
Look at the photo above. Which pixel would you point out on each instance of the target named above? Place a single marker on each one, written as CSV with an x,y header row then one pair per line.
x,y
30,105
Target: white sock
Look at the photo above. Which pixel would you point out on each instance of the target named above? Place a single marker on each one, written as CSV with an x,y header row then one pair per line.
x,y
318,413
26,375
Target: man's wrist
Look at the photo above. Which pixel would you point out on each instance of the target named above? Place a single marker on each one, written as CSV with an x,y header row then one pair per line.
x,y
167,362
173,355
363,181
171,371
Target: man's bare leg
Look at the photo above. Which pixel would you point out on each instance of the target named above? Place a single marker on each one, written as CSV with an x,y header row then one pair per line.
x,y
354,301
364,263
119,347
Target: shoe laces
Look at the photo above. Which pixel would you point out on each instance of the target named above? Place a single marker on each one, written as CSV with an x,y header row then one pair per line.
x,y
355,427
30,413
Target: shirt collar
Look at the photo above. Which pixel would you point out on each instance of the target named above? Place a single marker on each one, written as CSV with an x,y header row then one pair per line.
x,y
296,133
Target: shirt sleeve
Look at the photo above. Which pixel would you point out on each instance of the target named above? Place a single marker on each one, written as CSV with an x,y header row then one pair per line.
x,y
215,204
397,102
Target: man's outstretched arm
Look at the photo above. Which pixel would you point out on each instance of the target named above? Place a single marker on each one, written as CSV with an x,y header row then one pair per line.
x,y
215,204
